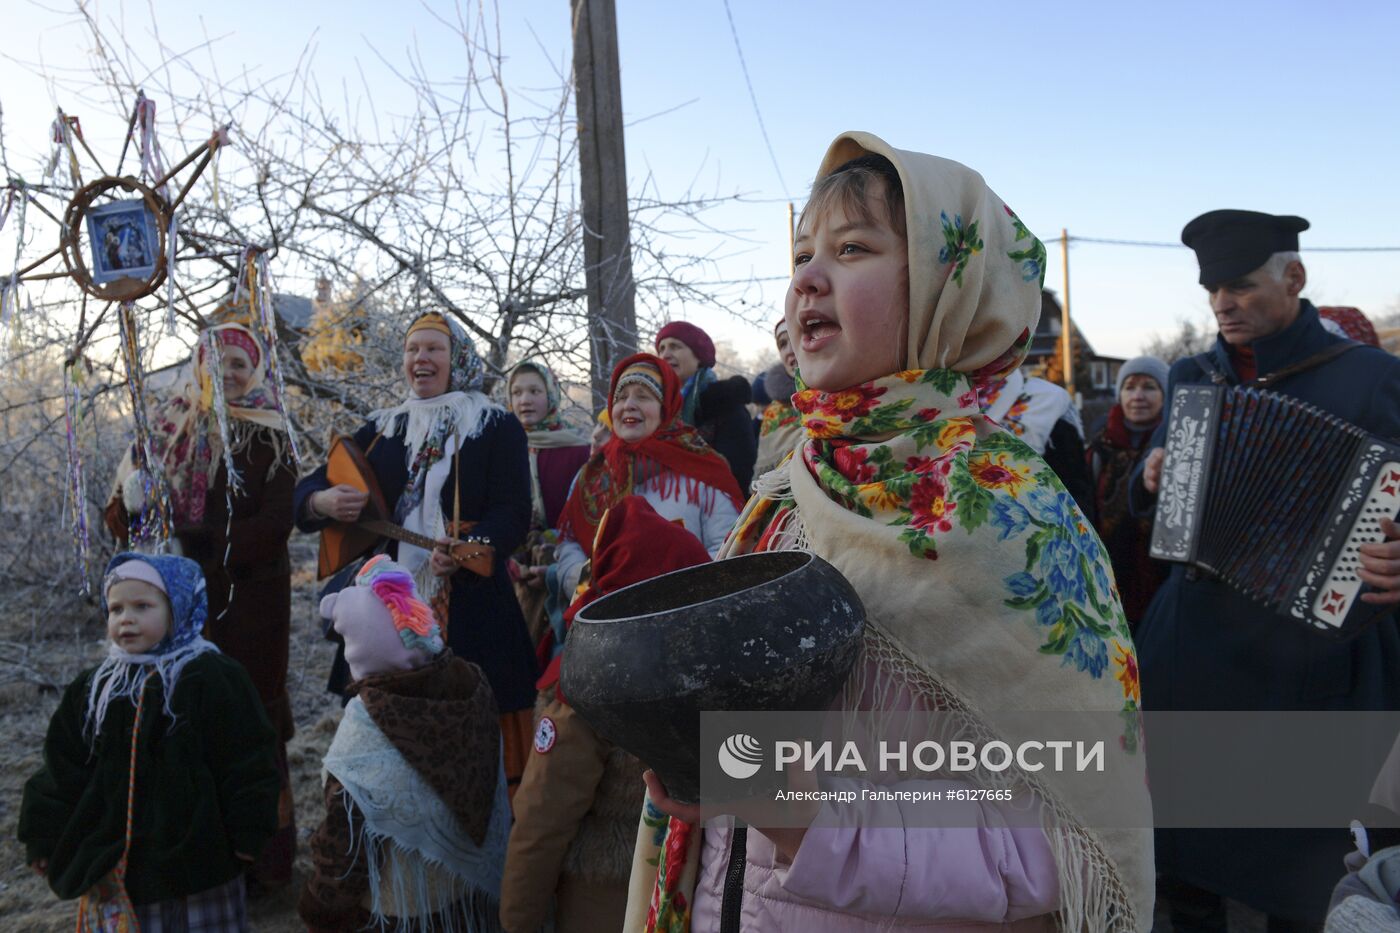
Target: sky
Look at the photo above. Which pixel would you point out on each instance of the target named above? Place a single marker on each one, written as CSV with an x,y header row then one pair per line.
x,y
1111,120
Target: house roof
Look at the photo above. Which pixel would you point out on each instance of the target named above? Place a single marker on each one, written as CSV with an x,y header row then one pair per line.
x,y
1046,338
293,309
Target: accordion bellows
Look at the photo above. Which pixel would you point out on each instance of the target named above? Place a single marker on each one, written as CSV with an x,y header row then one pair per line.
x,y
1274,497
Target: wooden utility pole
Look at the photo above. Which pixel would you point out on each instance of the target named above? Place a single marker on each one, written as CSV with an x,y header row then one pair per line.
x,y
1066,327
607,244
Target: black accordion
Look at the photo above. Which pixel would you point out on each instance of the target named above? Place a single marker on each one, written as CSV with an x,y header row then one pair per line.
x,y
1273,497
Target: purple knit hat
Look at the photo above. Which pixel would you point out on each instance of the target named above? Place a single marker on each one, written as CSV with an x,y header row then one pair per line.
x,y
699,342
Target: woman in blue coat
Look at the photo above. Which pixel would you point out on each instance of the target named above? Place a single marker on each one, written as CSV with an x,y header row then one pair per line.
x,y
449,453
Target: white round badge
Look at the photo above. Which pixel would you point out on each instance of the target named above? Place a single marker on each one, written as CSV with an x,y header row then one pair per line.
x,y
545,735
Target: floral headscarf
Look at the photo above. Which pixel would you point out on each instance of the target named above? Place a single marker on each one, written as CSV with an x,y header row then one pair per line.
x,y
549,431
987,591
1350,323
122,675
187,427
674,454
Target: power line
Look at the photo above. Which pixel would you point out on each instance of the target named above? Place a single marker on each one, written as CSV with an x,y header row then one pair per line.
x,y
1154,243
743,66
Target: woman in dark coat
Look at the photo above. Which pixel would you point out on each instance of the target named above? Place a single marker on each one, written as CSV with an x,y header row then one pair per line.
x,y
449,454
1113,454
243,552
715,407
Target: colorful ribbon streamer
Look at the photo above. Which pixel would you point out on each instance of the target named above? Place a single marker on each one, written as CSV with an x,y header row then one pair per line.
x,y
77,478
260,303
152,165
155,523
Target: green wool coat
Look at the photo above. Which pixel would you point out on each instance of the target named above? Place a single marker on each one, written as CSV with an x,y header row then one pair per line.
x,y
206,787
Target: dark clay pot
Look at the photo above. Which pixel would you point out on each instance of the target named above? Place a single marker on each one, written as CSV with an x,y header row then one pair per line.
x,y
772,631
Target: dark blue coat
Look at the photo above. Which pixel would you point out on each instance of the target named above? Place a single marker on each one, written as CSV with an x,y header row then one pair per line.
x,y
485,623
1203,646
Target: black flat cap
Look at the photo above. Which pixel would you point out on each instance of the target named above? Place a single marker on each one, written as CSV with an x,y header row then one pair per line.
x,y
1230,244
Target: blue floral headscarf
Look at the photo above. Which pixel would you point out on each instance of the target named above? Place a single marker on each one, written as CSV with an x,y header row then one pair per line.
x,y
122,675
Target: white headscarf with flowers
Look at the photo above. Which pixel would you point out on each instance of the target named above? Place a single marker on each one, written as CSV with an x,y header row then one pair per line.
x,y
988,595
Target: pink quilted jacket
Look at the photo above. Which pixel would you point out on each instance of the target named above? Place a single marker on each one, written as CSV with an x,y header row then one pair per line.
x,y
847,879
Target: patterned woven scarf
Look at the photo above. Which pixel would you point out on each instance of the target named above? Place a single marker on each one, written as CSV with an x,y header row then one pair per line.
x,y
1011,564
694,387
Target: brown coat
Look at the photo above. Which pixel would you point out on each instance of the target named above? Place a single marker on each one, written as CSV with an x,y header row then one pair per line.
x,y
575,828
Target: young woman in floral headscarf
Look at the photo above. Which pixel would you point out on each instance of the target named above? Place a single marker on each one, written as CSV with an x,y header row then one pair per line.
x,y
556,454
984,586
242,552
448,453
654,454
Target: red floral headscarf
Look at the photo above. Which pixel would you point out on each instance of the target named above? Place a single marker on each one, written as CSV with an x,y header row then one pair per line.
x,y
1352,323
674,454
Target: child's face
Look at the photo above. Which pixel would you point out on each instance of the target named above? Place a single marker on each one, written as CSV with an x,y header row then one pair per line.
x,y
529,399
138,616
848,307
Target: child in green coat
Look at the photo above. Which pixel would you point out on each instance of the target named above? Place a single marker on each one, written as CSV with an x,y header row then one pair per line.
x,y
158,785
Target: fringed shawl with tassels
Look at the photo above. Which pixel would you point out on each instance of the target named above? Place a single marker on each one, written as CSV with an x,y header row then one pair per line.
x,y
431,818
189,425
986,590
674,455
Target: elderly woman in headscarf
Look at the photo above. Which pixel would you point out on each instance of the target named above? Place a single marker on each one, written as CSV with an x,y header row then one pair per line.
x,y
556,453
781,427
448,458
224,418
654,454
986,591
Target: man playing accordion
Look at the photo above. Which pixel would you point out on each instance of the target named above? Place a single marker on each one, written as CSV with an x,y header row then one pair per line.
x,y
1203,645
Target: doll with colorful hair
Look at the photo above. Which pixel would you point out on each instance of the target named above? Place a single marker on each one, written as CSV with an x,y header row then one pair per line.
x,y
417,818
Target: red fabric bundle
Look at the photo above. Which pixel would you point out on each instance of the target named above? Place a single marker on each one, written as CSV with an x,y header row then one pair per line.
x,y
633,544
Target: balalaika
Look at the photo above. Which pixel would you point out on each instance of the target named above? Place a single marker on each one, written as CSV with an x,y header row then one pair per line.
x,y
1274,497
